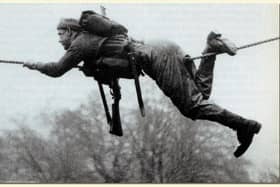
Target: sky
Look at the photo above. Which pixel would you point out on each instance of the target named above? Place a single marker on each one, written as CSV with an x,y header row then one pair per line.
x,y
247,84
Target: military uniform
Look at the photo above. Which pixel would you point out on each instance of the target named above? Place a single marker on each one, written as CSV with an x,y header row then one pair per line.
x,y
163,61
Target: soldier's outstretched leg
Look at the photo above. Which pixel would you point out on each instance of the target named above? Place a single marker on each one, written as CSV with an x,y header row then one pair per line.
x,y
163,62
204,110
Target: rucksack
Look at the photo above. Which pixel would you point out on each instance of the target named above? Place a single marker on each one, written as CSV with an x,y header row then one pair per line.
x,y
100,25
113,62
110,67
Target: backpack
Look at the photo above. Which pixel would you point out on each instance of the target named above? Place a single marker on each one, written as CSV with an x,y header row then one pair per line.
x,y
100,25
113,62
110,67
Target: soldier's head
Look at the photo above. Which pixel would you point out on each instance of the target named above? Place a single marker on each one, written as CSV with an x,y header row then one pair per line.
x,y
68,29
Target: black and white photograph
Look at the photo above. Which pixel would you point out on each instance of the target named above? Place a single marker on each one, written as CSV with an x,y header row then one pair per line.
x,y
139,93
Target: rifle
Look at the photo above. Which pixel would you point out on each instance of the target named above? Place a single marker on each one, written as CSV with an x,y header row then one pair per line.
x,y
115,121
116,126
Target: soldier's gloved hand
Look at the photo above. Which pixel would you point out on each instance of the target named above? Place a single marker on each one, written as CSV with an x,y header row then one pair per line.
x,y
30,65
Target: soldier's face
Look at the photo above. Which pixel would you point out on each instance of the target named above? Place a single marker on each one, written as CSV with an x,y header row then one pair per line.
x,y
64,38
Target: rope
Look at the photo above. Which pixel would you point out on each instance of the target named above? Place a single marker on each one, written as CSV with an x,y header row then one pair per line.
x,y
258,43
186,58
11,62
239,48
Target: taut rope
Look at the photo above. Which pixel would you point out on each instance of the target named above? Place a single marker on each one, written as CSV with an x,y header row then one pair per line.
x,y
241,47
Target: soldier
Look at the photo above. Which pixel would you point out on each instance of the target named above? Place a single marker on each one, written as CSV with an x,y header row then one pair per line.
x,y
187,87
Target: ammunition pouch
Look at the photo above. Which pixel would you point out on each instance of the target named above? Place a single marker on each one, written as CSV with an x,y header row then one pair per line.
x,y
115,67
106,69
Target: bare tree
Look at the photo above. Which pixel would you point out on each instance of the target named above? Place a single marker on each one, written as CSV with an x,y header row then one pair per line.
x,y
170,148
27,151
163,147
107,157
270,175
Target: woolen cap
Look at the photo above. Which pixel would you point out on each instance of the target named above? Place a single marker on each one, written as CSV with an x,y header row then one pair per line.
x,y
69,23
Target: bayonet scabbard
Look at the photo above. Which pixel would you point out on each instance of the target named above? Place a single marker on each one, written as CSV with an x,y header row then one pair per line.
x,y
132,61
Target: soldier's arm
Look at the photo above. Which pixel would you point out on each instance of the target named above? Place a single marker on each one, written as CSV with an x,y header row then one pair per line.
x,y
72,58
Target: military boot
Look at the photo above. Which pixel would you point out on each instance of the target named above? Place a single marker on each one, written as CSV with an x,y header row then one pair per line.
x,y
245,129
245,134
217,44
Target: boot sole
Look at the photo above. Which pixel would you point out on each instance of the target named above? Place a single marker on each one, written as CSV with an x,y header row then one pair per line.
x,y
241,149
256,128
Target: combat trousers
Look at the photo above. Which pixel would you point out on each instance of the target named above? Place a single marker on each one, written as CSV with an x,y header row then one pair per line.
x,y
187,87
